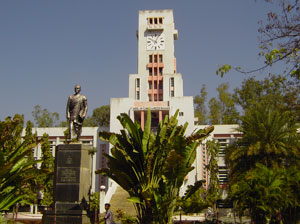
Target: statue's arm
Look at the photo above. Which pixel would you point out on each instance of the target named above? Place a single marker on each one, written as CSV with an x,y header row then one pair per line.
x,y
85,106
67,109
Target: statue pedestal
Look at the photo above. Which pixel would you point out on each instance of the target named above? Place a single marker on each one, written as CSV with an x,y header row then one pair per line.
x,y
72,182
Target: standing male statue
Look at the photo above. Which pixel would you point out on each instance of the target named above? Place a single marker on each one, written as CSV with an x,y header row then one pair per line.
x,y
76,112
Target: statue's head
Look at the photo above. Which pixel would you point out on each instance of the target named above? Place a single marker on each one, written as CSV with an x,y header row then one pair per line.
x,y
77,89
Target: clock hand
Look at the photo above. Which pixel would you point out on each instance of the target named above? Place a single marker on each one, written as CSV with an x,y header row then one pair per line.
x,y
157,37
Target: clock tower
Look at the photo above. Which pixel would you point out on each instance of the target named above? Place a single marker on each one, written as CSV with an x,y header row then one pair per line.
x,y
157,85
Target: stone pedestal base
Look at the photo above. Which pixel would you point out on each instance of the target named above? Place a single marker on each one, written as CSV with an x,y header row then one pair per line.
x,y
65,217
72,182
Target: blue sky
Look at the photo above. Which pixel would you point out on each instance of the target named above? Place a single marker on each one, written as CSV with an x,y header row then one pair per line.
x,y
46,47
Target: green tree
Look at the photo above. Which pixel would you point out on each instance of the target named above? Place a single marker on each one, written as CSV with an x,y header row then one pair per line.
x,y
214,191
280,36
270,144
41,186
291,179
15,167
100,117
215,110
151,167
269,194
43,118
228,112
63,124
274,90
193,201
200,108
261,190
223,110
93,207
30,187
88,122
47,166
269,137
279,39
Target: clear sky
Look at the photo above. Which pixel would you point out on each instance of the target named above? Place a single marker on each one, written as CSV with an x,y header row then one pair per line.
x,y
46,47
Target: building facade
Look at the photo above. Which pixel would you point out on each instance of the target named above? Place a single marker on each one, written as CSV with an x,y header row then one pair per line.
x,y
89,136
223,135
157,85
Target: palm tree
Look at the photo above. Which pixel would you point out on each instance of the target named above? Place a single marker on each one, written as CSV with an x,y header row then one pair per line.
x,y
151,167
262,191
269,137
214,189
291,211
269,143
15,167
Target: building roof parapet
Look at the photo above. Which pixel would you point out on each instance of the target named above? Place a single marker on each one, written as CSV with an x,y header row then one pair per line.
x,y
155,11
148,104
151,108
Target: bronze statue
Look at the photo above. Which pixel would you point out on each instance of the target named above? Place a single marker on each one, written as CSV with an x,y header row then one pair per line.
x,y
76,112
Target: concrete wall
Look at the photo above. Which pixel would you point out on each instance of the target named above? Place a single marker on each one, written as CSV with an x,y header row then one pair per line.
x,y
170,103
56,137
186,111
220,132
168,31
178,86
118,106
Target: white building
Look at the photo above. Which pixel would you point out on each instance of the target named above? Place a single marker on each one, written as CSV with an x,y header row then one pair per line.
x,y
224,135
89,136
157,84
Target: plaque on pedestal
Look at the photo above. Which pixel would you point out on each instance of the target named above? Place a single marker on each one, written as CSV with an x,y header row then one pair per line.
x,y
72,182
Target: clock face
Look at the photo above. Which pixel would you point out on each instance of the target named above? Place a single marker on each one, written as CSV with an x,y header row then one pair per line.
x,y
156,41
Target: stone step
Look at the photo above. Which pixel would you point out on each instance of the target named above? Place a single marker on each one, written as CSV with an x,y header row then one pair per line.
x,y
119,201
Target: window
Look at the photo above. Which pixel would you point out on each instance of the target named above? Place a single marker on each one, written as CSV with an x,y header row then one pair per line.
x,y
137,95
160,58
150,58
138,83
150,85
172,82
160,85
150,97
155,97
155,20
150,71
52,146
223,173
172,93
155,85
160,97
160,71
155,72
156,58
181,114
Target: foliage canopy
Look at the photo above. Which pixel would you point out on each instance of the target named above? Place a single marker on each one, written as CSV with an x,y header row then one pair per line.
x,y
16,167
151,167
